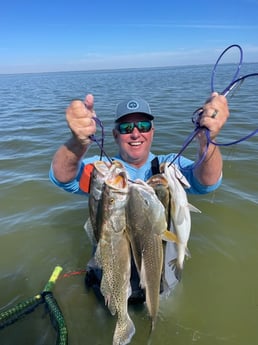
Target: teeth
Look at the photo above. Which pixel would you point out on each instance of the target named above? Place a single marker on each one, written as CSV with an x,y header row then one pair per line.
x,y
135,144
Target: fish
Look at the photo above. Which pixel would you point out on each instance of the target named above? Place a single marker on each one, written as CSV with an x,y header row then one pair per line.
x,y
180,213
113,253
159,184
100,173
146,227
98,176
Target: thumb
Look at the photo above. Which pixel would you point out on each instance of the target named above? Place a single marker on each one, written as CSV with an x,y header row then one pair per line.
x,y
89,102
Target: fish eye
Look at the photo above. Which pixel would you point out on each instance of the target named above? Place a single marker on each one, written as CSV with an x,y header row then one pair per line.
x,y
111,200
146,202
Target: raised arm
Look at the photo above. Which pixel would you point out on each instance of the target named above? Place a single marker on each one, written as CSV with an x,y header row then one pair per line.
x,y
214,116
79,116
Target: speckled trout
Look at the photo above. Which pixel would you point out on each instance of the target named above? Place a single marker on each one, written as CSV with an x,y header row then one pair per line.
x,y
101,171
113,253
160,185
146,227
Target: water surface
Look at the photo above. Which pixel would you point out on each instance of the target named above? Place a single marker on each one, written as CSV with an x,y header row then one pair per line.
x,y
41,226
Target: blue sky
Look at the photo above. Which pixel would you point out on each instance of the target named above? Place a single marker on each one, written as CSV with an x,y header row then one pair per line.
x,y
41,36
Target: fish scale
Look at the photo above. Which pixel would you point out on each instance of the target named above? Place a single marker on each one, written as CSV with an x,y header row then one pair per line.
x,y
146,222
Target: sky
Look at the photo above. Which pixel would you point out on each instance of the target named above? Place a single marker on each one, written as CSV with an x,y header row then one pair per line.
x,y
50,36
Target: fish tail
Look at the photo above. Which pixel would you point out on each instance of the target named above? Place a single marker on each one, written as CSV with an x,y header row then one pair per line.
x,y
124,331
187,253
178,272
152,327
182,252
177,268
179,265
153,324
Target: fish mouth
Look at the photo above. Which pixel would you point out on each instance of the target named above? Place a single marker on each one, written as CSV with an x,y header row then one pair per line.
x,y
116,164
119,181
102,167
158,180
105,167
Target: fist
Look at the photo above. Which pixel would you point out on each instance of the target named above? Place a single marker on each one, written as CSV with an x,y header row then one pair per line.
x,y
79,117
214,114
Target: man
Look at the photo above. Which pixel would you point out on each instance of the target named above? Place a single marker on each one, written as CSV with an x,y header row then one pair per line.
x,y
133,133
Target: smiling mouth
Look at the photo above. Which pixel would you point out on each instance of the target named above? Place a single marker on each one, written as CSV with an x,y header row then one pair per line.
x,y
138,143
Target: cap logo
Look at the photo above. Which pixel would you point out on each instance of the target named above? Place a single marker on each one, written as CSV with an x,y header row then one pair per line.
x,y
132,105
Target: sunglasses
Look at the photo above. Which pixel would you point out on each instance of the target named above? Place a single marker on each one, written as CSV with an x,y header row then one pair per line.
x,y
128,127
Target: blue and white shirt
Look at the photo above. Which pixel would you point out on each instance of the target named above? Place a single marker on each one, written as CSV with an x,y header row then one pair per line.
x,y
143,173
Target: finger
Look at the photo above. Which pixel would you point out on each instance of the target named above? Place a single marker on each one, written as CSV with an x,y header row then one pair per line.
x,y
77,109
83,128
89,102
83,122
213,95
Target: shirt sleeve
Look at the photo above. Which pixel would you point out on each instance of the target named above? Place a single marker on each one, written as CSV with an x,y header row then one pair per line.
x,y
196,186
72,186
186,167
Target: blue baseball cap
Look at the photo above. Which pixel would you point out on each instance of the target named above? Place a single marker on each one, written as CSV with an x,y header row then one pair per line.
x,y
131,106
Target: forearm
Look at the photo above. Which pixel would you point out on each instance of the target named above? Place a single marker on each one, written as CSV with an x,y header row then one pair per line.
x,y
210,170
67,158
80,119
212,118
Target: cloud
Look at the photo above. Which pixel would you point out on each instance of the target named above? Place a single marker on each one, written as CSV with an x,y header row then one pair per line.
x,y
96,61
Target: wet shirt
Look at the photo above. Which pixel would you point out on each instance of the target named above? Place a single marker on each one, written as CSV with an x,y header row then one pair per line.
x,y
143,173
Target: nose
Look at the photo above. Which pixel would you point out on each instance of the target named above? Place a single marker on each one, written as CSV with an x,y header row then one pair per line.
x,y
135,133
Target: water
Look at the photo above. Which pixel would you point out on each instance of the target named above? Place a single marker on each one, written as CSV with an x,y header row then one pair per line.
x,y
41,226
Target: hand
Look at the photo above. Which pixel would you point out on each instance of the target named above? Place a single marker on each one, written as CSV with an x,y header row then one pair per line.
x,y
79,117
214,114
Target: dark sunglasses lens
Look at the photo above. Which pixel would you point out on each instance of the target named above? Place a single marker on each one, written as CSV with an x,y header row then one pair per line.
x,y
128,127
143,126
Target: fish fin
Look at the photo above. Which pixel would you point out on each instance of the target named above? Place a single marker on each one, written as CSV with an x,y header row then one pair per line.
x,y
172,263
179,176
111,305
124,331
142,276
181,215
143,285
152,327
109,301
169,236
187,253
97,256
182,179
89,231
178,273
193,208
176,268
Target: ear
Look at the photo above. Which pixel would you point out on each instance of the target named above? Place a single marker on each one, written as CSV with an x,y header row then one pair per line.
x,y
115,134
